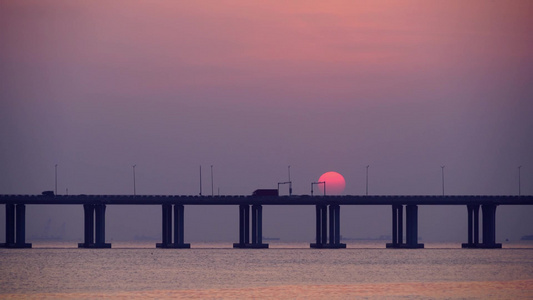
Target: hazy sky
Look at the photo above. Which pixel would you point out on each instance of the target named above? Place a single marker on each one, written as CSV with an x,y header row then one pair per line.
x,y
251,87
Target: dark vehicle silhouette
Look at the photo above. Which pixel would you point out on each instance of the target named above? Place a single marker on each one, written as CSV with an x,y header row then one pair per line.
x,y
265,192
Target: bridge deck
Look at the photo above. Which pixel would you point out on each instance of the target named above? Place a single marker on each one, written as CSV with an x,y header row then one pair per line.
x,y
265,200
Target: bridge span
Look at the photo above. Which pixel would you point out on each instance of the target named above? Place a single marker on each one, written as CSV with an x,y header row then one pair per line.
x,y
250,227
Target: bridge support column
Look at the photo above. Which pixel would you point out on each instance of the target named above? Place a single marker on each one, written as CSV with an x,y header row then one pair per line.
x,y
400,224
397,228
412,227
411,219
489,227
476,224
166,226
10,226
470,210
322,227
257,224
88,228
394,226
473,226
179,227
94,226
20,219
15,227
337,240
244,227
99,225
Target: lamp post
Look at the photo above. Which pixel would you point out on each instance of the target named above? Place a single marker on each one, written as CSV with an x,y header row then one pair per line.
x,y
290,182
134,187
317,183
287,182
55,189
519,191
200,180
367,179
442,169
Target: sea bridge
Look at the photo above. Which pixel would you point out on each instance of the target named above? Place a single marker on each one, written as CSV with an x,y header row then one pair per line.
x,y
404,216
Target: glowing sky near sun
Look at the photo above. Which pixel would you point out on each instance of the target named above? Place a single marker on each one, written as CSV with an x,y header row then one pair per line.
x,y
334,48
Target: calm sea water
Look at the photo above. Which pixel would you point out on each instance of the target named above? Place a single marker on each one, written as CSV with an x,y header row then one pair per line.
x,y
215,270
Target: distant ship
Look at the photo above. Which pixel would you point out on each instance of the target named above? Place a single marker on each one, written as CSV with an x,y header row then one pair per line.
x,y
527,238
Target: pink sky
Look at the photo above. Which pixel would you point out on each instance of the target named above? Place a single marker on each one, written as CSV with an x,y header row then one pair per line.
x,y
161,46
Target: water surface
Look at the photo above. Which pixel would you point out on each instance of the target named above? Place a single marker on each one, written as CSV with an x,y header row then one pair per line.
x,y
285,271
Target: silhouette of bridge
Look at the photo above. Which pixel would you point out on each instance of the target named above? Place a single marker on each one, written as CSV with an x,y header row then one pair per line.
x,y
327,216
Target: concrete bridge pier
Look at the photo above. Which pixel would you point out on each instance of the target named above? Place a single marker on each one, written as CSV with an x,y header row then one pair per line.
x,y
488,227
244,227
10,226
166,227
473,226
15,227
322,227
411,222
94,226
179,227
88,228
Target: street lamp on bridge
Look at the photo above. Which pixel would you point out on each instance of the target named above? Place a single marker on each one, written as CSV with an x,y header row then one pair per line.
x,y
519,191
317,183
442,168
134,187
200,180
287,182
55,189
212,189
367,179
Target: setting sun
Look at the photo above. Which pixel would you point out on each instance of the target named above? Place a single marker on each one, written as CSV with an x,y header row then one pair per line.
x,y
335,183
